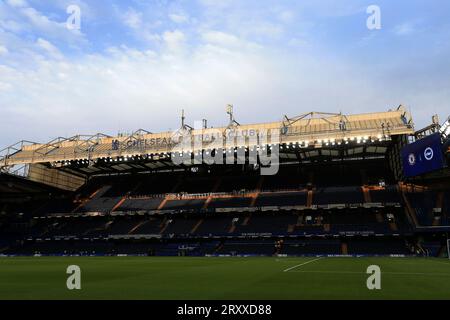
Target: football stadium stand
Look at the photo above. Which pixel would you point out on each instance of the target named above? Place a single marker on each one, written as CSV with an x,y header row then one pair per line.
x,y
341,189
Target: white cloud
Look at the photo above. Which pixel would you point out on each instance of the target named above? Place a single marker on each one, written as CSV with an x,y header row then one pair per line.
x,y
126,88
133,19
174,40
17,3
39,20
49,48
3,50
11,25
5,86
141,27
221,38
179,18
23,17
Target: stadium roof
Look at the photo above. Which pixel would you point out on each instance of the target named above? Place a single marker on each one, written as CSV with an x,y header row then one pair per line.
x,y
313,132
15,187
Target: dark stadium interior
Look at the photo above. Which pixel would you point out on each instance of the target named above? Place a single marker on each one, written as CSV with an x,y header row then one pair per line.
x,y
223,211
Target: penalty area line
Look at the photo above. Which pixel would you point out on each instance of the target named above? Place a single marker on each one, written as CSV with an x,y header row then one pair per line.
x,y
301,264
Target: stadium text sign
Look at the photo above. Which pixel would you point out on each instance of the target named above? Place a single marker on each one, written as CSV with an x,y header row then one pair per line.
x,y
143,144
193,146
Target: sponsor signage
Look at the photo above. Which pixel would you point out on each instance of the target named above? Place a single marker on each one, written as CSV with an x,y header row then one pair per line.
x,y
422,156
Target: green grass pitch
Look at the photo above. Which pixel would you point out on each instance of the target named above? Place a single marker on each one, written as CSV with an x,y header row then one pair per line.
x,y
223,278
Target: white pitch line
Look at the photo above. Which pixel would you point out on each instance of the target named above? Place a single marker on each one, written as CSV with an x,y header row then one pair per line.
x,y
385,272
302,264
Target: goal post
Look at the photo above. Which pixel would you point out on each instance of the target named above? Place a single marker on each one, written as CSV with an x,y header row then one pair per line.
x,y
448,248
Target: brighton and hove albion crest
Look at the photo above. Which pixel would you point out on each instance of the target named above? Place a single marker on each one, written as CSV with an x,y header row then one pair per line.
x,y
428,153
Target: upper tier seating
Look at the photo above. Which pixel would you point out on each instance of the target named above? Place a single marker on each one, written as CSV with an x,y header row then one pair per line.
x,y
281,199
423,204
184,204
237,183
214,225
276,223
293,181
194,185
338,195
389,194
155,184
229,202
57,206
148,225
102,204
179,226
140,204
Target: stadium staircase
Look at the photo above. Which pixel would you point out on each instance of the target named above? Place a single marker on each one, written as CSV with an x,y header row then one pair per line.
x,y
126,196
197,225
164,225
258,190
94,195
163,203
309,199
344,248
167,197
107,226
393,226
410,212
219,247
366,193
214,189
119,203
140,224
232,228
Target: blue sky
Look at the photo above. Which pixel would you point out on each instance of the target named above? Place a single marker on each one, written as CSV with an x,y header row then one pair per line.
x,y
136,64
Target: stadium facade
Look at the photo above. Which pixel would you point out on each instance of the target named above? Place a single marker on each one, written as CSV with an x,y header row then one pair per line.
x,y
364,184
